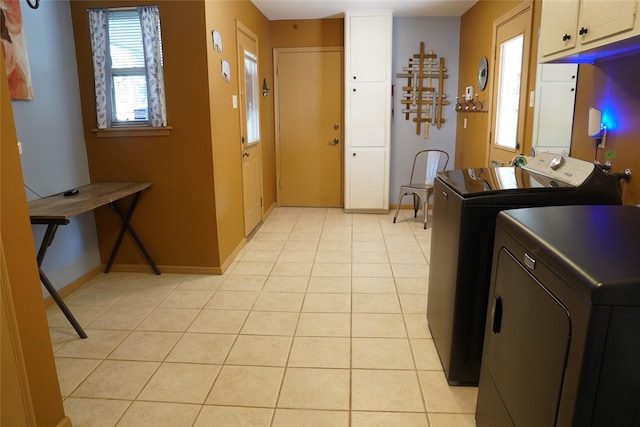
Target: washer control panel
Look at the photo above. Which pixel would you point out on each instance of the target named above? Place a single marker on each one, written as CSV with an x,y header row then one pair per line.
x,y
561,168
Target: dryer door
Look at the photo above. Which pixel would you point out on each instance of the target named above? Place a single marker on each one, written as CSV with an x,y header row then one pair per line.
x,y
528,337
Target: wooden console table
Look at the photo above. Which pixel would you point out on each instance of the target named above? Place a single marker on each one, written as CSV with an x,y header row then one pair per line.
x,y
59,209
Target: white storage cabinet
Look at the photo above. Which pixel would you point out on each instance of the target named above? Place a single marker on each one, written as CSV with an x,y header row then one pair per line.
x,y
367,110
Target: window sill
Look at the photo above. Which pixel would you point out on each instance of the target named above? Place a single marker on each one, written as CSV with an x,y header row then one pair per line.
x,y
126,132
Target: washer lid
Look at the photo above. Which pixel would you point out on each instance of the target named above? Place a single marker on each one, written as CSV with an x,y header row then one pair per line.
x,y
483,181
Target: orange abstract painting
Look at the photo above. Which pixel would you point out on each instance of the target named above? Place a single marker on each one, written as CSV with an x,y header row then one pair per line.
x,y
14,48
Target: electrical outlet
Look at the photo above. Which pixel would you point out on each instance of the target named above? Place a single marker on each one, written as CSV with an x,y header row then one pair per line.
x,y
468,93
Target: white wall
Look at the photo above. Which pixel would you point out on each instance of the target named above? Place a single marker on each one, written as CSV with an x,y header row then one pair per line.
x,y
54,155
442,36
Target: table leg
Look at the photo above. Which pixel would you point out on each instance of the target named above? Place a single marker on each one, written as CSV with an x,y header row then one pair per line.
x,y
46,242
126,226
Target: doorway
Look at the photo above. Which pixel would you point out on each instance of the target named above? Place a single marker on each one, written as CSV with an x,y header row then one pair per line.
x,y
511,41
248,88
309,135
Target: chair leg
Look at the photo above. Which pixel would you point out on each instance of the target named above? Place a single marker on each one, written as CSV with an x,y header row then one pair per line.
x,y
416,205
398,207
425,208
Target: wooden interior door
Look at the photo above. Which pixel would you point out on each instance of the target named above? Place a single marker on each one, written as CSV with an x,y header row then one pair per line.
x,y
309,115
15,399
250,92
509,93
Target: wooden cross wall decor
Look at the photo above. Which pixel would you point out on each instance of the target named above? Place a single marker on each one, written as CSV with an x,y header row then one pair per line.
x,y
420,97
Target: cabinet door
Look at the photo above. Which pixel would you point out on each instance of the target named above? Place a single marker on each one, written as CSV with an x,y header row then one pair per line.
x,y
369,48
600,19
555,114
368,115
528,336
558,26
366,179
558,72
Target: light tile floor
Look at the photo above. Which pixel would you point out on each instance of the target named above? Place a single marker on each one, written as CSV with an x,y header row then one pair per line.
x,y
319,321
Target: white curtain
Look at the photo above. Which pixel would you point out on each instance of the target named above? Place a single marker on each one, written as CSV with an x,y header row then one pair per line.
x,y
150,23
98,22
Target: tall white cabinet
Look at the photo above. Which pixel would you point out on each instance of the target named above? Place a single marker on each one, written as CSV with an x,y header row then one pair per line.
x,y
367,110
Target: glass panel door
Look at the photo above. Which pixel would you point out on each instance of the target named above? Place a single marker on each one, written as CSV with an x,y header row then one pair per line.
x,y
509,92
252,99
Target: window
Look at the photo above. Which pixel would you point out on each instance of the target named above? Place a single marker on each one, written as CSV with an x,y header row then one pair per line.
x,y
509,92
251,82
127,63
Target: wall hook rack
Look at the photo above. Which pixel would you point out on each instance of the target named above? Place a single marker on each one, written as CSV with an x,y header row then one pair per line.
x,y
471,106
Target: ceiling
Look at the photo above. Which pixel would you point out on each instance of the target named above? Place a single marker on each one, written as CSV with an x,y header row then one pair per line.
x,y
316,9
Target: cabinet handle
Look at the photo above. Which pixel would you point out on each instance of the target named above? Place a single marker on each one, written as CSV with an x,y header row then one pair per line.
x,y
444,195
354,90
496,314
354,154
354,77
583,31
566,37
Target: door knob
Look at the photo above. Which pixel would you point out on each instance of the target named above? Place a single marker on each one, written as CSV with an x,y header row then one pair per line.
x,y
245,154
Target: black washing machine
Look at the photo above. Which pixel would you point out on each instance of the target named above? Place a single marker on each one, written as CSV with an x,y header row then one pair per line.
x,y
561,345
465,205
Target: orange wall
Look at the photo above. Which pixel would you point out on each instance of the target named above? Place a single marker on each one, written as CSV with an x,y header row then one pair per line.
x,y
192,218
224,120
308,33
611,86
476,38
22,272
176,218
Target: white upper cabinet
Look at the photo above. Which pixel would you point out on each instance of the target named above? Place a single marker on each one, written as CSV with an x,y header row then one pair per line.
x,y
369,46
585,30
559,26
601,19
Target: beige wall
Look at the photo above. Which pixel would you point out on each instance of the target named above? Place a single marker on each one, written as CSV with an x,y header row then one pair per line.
x,y
192,218
476,38
24,283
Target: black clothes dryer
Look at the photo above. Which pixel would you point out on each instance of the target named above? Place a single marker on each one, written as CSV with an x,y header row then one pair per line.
x,y
561,341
